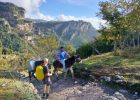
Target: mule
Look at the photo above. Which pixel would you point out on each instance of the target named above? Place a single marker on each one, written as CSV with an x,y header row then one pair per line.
x,y
32,64
68,65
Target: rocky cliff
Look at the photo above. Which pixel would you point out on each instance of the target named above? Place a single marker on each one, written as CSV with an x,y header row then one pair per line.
x,y
11,12
15,16
74,32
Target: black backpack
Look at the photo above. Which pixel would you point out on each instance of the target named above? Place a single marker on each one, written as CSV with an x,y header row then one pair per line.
x,y
37,63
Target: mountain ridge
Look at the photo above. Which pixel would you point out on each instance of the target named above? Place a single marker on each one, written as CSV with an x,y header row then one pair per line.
x,y
72,32
68,31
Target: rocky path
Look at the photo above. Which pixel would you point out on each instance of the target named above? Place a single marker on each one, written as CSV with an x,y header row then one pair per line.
x,y
76,90
81,90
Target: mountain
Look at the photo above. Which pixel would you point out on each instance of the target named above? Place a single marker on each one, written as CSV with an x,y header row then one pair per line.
x,y
15,16
74,32
11,13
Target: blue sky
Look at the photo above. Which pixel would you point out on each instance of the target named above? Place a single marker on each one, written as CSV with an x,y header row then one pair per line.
x,y
61,10
58,7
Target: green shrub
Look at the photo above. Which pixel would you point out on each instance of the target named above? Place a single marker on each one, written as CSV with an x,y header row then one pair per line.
x,y
70,49
102,46
85,51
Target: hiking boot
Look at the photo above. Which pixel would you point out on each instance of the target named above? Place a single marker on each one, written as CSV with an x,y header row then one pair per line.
x,y
47,96
43,96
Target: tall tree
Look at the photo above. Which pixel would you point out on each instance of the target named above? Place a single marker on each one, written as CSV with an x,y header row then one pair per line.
x,y
123,19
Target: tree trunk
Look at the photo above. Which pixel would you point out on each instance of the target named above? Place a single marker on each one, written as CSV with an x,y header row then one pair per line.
x,y
127,43
138,40
97,51
115,45
131,42
121,44
134,42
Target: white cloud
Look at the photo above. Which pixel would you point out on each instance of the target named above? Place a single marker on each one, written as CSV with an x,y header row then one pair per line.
x,y
32,11
39,15
64,18
96,22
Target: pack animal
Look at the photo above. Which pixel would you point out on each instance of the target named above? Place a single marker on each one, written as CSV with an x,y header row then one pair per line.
x,y
68,65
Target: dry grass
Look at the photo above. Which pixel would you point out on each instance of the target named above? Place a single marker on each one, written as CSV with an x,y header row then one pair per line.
x,y
108,64
11,89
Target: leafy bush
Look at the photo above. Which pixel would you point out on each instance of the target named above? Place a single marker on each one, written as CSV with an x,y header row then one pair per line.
x,y
11,41
70,49
85,51
98,46
102,46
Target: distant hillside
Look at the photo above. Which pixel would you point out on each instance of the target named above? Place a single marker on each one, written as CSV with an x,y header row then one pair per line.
x,y
74,32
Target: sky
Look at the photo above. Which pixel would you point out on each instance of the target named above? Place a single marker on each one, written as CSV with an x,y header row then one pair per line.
x,y
61,10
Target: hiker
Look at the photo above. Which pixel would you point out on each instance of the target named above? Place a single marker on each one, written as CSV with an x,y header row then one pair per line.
x,y
47,79
62,55
41,69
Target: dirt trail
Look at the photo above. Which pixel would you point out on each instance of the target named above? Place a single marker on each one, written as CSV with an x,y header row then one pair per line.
x,y
76,90
81,90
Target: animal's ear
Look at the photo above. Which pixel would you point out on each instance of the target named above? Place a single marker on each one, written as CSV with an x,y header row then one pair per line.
x,y
77,56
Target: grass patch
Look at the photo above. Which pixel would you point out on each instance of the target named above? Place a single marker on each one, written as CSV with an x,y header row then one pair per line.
x,y
15,90
14,62
127,64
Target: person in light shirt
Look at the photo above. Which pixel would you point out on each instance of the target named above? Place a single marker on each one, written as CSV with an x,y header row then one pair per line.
x,y
62,55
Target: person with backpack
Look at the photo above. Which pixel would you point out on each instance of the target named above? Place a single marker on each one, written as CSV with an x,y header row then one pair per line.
x,y
62,55
42,73
47,79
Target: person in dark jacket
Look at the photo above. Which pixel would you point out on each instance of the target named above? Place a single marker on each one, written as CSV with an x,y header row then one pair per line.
x,y
47,79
